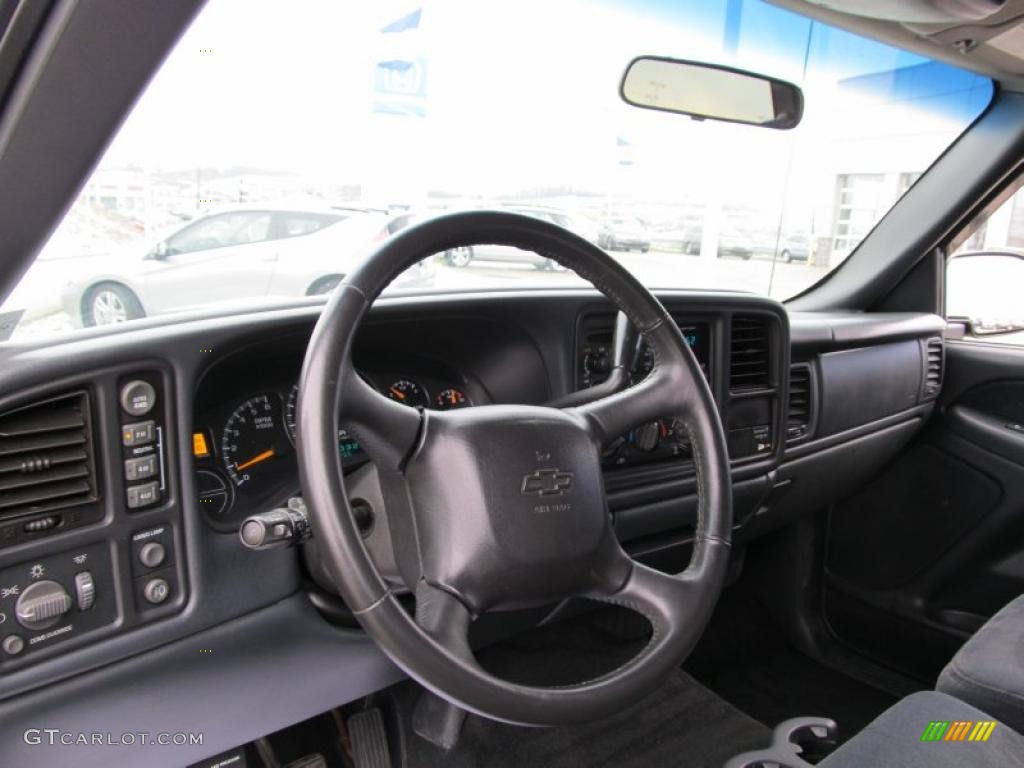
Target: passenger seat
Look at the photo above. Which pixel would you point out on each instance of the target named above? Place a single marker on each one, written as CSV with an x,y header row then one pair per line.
x,y
988,671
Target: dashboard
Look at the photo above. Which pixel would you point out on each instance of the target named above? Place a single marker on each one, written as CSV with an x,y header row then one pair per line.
x,y
244,427
171,433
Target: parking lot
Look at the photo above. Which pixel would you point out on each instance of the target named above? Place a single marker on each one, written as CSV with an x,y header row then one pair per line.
x,y
656,269
39,292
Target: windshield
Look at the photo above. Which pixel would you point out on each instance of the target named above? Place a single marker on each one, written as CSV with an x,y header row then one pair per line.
x,y
279,143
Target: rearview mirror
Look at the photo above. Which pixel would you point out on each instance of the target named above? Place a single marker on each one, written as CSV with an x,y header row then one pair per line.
x,y
711,92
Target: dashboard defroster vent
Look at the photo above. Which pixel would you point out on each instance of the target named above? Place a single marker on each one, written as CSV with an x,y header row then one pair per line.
x,y
46,456
749,354
933,367
801,402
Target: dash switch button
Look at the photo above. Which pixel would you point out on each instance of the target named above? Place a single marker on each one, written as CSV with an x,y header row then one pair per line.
x,y
152,554
85,590
138,397
156,591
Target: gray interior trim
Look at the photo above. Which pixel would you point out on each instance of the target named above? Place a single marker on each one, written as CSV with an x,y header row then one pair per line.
x,y
279,665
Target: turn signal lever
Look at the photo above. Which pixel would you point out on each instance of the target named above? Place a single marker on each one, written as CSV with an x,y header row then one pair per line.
x,y
282,527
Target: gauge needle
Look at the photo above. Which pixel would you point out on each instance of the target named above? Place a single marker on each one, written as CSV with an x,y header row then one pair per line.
x,y
397,393
255,460
452,397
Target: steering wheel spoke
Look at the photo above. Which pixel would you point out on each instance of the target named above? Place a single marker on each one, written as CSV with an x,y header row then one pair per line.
x,y
445,618
386,430
613,415
665,600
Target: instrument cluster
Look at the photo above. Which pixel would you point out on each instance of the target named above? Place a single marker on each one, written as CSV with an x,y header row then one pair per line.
x,y
244,448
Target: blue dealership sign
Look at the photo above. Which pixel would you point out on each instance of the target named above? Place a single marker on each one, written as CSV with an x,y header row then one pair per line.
x,y
400,72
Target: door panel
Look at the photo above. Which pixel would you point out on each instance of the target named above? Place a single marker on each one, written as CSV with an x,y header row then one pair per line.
x,y
933,546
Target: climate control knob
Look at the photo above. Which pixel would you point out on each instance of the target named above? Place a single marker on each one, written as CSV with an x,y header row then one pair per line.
x,y
42,605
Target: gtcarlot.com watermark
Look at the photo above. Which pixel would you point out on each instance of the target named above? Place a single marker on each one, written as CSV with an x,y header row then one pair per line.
x,y
55,736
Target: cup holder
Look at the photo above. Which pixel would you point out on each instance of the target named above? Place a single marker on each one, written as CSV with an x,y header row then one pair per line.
x,y
797,743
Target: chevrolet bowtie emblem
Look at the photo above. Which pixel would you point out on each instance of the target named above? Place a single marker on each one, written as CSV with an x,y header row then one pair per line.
x,y
547,482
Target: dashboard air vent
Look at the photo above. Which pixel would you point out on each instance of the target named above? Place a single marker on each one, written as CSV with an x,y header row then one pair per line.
x,y
934,360
801,405
749,354
46,456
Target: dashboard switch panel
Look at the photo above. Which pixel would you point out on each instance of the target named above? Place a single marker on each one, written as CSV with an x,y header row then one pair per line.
x,y
52,599
143,449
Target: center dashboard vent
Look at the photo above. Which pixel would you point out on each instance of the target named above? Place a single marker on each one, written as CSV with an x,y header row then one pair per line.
x,y
47,459
934,364
801,402
749,354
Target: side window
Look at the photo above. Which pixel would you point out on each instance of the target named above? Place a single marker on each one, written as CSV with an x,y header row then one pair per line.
x,y
222,230
298,224
985,271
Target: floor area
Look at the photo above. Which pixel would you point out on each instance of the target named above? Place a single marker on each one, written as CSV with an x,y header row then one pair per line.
x,y
744,658
681,724
742,679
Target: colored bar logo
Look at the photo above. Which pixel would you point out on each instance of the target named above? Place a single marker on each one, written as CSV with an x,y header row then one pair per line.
x,y
958,730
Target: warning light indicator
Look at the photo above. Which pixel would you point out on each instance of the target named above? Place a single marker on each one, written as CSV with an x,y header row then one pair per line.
x,y
199,446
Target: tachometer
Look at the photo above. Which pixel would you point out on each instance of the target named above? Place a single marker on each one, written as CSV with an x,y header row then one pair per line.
x,y
408,392
253,440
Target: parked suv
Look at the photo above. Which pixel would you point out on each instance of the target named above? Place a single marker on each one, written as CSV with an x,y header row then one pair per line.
x,y
239,254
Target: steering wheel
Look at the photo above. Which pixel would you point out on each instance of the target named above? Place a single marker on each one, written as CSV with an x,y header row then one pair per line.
x,y
503,506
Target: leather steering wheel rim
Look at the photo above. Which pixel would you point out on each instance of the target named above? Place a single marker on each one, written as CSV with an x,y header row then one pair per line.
x,y
530,550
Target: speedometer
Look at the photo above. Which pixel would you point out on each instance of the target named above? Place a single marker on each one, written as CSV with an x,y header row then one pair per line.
x,y
253,441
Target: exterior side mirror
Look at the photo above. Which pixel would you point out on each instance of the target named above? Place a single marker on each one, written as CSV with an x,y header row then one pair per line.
x,y
160,251
983,287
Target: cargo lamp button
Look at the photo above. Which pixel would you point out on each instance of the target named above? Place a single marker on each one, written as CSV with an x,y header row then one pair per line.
x,y
152,554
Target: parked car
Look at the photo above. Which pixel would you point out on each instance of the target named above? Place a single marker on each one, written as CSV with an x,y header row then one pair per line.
x,y
691,240
796,248
462,257
236,254
734,245
625,233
